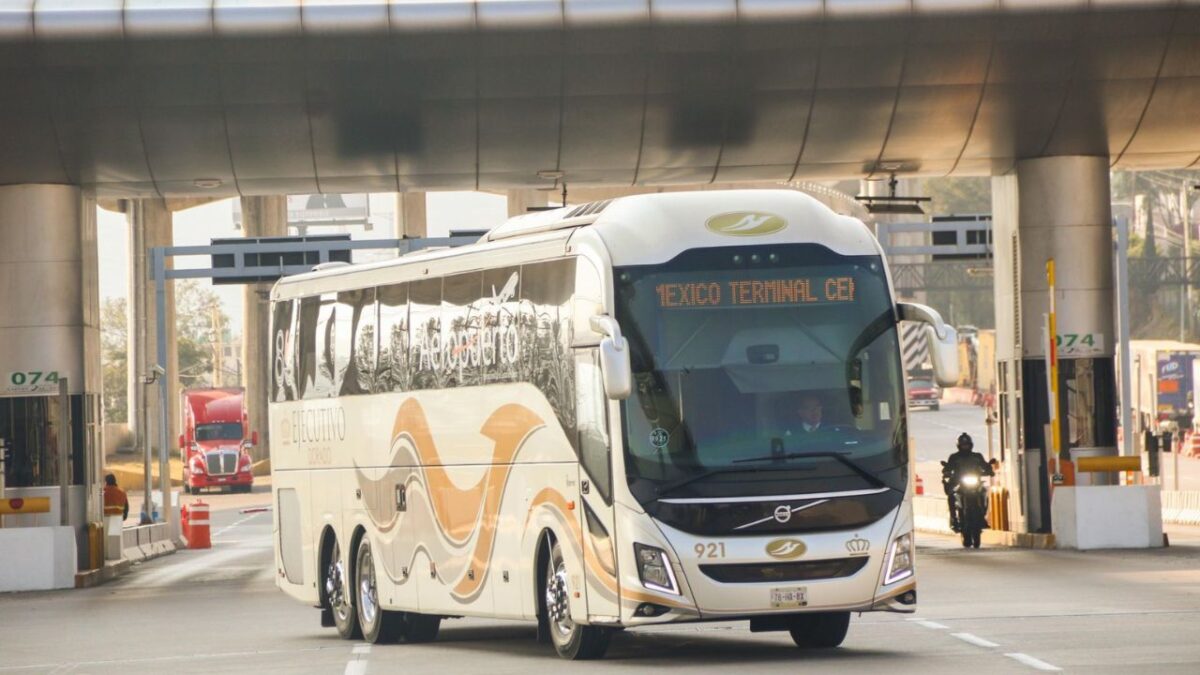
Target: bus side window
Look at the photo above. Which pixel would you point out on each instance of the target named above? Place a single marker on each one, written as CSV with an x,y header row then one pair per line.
x,y
306,337
354,341
392,369
592,442
425,334
283,347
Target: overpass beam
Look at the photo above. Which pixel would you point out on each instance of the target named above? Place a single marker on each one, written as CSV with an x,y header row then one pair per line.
x,y
1052,207
261,217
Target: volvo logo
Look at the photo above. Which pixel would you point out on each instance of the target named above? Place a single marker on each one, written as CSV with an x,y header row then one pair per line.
x,y
858,546
786,549
783,513
746,224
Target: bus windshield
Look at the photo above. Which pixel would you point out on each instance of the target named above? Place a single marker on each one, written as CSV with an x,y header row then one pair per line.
x,y
222,431
761,371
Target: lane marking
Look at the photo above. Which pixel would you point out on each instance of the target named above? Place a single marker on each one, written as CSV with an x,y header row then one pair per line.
x,y
1037,664
228,527
931,624
44,667
358,665
975,640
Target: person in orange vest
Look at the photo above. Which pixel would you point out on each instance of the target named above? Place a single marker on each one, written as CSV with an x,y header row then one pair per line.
x,y
115,497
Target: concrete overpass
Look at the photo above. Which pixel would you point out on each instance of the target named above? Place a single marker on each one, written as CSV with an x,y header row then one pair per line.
x,y
156,100
255,97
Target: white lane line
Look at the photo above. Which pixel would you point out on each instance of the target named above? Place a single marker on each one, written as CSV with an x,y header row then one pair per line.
x,y
227,528
931,624
1037,664
975,640
358,665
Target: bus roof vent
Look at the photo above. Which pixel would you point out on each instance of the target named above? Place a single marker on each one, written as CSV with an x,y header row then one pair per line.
x,y
545,221
589,209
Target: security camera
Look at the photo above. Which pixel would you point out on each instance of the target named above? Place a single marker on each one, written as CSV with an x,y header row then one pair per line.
x,y
159,370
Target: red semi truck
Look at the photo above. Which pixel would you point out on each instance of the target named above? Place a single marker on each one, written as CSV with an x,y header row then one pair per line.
x,y
215,444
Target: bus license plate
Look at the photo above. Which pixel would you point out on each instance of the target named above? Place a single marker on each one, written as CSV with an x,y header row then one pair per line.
x,y
787,598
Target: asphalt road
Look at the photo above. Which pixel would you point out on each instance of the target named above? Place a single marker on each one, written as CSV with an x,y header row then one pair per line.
x,y
987,611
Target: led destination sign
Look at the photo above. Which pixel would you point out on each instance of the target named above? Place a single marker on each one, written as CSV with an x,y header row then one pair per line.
x,y
788,292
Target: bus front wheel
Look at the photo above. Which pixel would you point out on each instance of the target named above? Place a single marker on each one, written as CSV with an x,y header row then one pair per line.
x,y
571,640
823,630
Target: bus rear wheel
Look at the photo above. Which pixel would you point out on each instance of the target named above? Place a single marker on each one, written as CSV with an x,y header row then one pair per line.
x,y
339,596
571,640
378,625
822,630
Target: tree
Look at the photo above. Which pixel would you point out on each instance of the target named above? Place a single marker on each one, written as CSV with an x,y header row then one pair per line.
x,y
114,361
197,310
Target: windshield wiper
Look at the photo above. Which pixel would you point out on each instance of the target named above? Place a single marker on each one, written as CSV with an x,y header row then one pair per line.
x,y
840,457
671,487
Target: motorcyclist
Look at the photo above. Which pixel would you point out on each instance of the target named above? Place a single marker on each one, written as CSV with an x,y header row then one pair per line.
x,y
960,462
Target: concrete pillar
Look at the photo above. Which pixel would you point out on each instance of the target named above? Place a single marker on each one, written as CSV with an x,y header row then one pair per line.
x,y
519,201
50,324
1053,207
150,226
261,217
410,215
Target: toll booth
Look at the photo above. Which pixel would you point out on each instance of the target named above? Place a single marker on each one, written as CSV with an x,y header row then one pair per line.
x,y
49,388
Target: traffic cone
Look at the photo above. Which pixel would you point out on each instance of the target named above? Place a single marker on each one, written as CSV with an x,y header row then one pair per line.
x,y
920,485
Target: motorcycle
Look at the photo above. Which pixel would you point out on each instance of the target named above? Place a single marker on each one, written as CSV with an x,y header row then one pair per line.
x,y
970,501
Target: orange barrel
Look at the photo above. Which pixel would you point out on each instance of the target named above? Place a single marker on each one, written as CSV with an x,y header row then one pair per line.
x,y
920,485
201,536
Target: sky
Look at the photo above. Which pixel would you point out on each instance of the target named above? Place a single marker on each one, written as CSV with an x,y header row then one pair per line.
x,y
196,226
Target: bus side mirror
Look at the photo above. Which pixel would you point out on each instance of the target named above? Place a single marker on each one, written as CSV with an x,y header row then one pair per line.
x,y
614,358
941,339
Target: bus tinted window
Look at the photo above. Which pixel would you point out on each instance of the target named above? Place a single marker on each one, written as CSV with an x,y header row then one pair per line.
x,y
283,346
425,334
355,341
392,373
499,307
545,334
460,329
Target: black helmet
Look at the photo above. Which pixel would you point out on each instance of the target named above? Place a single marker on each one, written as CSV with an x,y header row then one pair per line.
x,y
965,442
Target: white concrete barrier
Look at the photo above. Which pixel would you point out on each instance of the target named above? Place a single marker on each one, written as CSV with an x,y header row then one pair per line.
x,y
931,514
1181,507
1107,516
37,558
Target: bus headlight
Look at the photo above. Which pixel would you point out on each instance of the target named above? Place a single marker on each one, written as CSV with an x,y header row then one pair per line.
x,y
654,569
900,559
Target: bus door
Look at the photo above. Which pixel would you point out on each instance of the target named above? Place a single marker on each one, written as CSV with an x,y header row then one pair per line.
x,y
596,518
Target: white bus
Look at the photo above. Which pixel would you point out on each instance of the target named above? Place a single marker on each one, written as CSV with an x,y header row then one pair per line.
x,y
659,408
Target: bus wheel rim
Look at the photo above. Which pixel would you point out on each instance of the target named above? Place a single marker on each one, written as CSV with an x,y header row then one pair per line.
x,y
557,606
335,586
367,592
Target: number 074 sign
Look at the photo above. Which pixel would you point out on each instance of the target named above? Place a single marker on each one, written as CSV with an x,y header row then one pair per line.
x,y
1080,344
30,382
